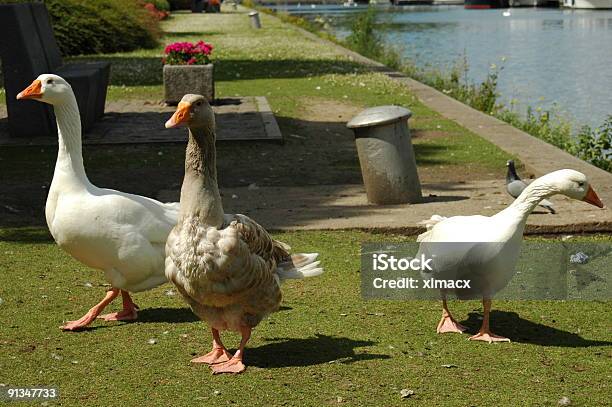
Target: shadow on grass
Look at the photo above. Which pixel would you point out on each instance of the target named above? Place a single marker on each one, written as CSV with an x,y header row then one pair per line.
x,y
147,71
288,352
26,235
174,315
511,325
199,34
165,314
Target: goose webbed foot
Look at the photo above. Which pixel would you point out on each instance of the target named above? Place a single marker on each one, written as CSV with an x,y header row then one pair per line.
x,y
449,324
80,323
234,365
217,355
488,336
92,314
129,312
485,334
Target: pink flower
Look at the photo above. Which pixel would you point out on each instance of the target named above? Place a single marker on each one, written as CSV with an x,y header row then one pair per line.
x,y
188,53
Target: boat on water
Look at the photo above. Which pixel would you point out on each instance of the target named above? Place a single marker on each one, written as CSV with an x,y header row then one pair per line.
x,y
485,4
532,3
588,4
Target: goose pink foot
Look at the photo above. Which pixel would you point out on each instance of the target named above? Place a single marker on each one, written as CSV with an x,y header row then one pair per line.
x,y
234,366
81,322
92,314
129,314
488,336
217,355
448,324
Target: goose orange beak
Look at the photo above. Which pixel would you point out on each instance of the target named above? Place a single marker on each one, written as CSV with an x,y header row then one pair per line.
x,y
34,91
592,198
181,116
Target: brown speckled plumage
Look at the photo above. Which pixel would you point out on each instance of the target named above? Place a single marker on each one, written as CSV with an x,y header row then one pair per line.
x,y
225,266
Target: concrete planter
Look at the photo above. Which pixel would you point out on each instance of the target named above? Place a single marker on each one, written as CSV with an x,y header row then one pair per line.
x,y
180,80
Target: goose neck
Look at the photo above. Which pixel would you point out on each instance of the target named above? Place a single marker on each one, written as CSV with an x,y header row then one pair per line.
x,y
70,150
200,195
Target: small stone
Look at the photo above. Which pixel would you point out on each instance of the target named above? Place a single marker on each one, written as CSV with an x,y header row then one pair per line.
x,y
170,293
343,315
405,393
564,401
252,187
449,366
152,341
580,258
234,196
339,399
567,237
216,392
318,88
165,332
75,362
183,335
56,356
88,285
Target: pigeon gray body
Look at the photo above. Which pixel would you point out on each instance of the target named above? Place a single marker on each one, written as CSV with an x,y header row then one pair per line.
x,y
515,186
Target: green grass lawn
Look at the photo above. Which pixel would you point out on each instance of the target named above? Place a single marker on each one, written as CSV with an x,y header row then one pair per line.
x,y
326,346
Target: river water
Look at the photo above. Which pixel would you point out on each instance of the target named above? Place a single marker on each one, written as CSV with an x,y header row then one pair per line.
x,y
550,58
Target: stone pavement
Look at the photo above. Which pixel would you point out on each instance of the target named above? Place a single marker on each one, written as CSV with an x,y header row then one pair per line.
x,y
135,122
345,207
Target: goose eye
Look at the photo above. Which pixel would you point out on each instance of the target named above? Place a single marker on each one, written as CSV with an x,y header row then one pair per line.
x,y
49,81
199,104
580,184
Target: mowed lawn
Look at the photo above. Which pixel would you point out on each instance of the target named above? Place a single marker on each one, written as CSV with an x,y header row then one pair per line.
x,y
326,346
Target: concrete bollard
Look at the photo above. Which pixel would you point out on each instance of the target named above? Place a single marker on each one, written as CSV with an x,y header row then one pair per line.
x,y
255,22
386,155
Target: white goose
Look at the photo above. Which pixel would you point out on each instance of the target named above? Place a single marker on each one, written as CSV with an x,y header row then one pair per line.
x,y
492,244
121,234
226,267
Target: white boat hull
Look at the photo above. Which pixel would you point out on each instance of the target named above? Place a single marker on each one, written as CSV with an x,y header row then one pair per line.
x,y
592,4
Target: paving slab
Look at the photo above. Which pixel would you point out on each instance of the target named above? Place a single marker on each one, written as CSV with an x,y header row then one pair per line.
x,y
137,122
330,207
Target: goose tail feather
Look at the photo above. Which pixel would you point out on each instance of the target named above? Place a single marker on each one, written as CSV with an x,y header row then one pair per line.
x,y
298,266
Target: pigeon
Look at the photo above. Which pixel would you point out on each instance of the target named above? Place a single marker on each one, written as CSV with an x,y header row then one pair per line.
x,y
515,186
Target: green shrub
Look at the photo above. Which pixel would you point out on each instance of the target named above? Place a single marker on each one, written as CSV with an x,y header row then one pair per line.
x,y
100,26
365,40
595,146
162,5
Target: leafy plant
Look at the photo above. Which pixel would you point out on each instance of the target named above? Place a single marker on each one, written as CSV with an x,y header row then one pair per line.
x,y
595,146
